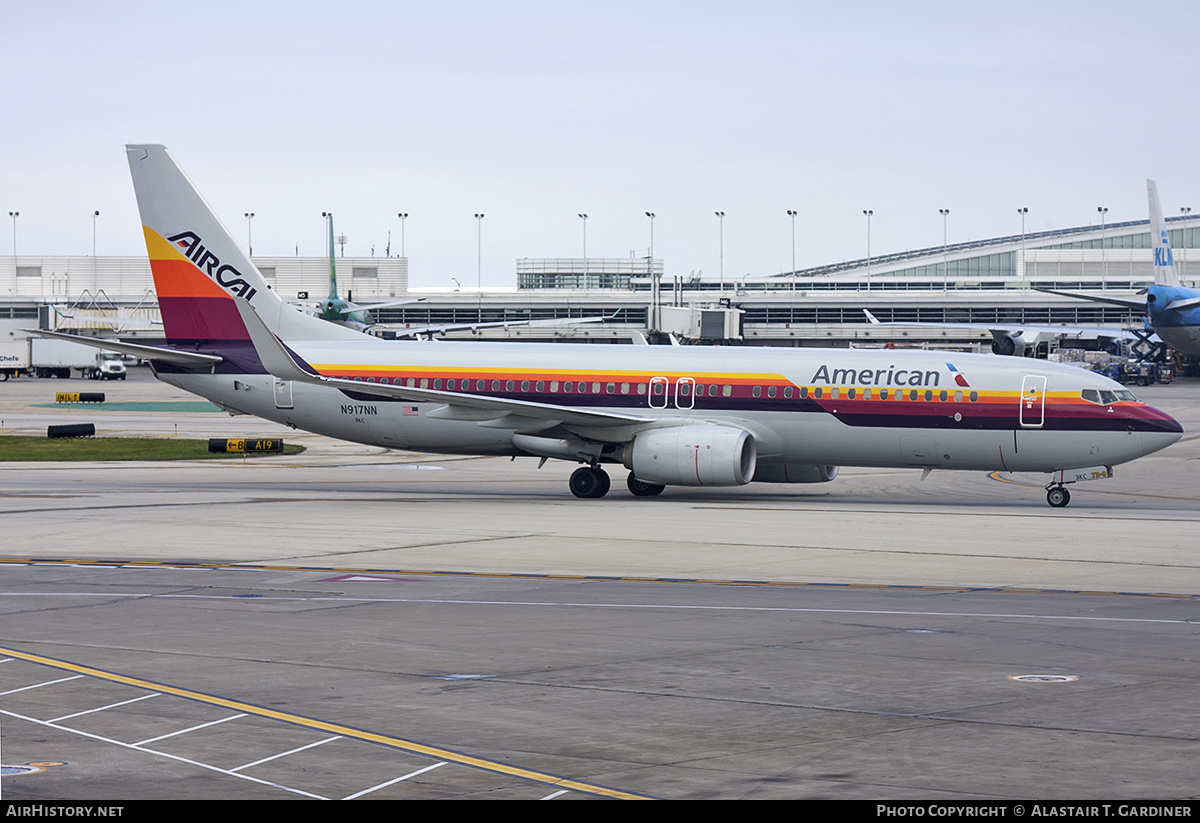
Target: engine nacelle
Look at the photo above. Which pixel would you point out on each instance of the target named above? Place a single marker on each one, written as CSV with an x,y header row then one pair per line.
x,y
693,456
1008,344
794,473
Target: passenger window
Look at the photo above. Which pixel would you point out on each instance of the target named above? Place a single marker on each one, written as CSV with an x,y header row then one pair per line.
x,y
883,394
850,394
787,392
770,391
727,390
756,391
942,395
973,396
524,385
866,394
835,393
817,392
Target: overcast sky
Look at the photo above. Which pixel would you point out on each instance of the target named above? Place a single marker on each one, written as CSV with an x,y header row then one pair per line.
x,y
533,112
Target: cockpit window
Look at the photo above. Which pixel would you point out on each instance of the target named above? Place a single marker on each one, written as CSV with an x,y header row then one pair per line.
x,y
1105,397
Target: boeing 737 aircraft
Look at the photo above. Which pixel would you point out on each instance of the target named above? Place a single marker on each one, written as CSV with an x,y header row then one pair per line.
x,y
690,416
1172,310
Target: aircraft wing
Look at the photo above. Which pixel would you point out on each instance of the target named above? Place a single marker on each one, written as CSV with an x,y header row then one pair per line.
x,y
1138,304
488,411
429,331
1000,331
186,358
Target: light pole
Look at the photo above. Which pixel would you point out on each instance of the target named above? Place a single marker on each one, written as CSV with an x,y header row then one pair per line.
x,y
14,215
792,214
721,217
583,217
868,213
945,213
403,216
1103,255
654,285
249,233
1023,211
95,214
479,261
1186,211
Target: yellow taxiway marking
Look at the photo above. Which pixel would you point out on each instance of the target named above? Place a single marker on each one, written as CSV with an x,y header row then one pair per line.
x,y
334,728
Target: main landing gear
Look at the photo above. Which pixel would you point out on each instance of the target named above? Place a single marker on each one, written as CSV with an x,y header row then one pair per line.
x,y
589,481
1057,495
593,481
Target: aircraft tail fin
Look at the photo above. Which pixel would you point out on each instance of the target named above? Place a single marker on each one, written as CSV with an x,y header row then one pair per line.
x,y
333,294
197,266
1164,262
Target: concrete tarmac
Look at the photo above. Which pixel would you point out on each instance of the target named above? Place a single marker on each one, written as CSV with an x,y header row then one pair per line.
x,y
328,623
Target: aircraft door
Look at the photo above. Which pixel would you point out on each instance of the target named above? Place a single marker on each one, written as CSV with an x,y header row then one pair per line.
x,y
1033,401
685,393
659,388
283,394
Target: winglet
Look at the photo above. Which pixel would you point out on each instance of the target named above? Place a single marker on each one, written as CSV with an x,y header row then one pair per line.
x,y
1164,262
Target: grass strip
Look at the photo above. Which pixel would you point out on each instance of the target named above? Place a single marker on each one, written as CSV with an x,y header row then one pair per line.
x,y
18,448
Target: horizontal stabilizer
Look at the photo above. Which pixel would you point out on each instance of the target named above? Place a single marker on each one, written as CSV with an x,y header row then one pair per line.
x,y
183,358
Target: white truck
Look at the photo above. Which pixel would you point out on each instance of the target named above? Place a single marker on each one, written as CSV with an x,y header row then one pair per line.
x,y
21,353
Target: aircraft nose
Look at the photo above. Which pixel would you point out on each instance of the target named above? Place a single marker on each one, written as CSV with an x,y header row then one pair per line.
x,y
1159,430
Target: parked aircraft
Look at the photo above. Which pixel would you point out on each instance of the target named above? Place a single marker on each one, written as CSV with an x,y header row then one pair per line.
x,y
690,416
1172,310
356,315
336,310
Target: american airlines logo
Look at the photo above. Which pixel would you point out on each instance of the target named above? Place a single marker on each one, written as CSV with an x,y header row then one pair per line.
x,y
226,276
891,376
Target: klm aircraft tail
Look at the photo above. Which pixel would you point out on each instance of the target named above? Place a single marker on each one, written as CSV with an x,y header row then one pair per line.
x,y
1164,263
198,268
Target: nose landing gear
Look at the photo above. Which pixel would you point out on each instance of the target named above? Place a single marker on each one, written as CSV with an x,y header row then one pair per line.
x,y
1057,495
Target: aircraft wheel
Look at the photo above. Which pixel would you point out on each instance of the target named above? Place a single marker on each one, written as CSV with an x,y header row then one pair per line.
x,y
1058,497
587,482
640,488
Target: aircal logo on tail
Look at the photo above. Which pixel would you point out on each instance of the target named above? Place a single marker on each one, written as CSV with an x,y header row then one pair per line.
x,y
226,276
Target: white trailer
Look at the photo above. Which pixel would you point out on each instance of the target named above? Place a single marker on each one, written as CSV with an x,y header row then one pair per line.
x,y
21,353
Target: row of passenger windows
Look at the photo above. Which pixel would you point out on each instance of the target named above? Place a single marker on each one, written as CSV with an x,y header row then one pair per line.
x,y
658,388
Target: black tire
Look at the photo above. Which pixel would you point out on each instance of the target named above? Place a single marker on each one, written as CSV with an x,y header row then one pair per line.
x,y
588,483
640,488
1058,497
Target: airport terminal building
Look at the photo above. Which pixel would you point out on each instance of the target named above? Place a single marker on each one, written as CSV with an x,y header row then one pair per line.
x,y
986,281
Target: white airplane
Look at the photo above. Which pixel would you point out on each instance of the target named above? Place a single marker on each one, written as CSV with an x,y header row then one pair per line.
x,y
689,416
1172,310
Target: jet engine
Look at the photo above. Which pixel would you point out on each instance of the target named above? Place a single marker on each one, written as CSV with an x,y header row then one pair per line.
x,y
794,473
1008,344
699,455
